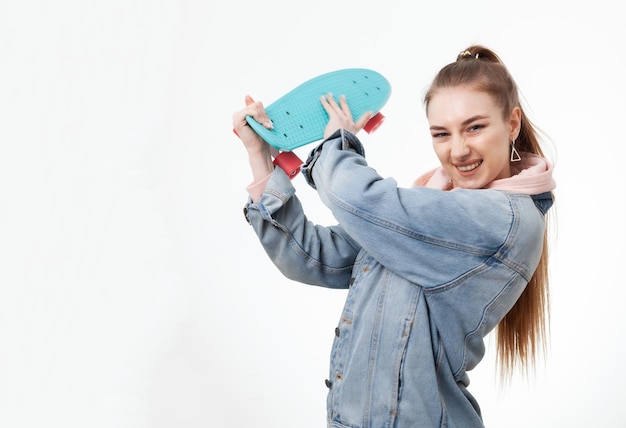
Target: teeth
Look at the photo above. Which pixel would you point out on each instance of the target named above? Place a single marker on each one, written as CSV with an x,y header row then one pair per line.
x,y
466,168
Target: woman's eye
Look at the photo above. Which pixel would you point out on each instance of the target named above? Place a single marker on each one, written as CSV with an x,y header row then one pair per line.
x,y
439,135
475,128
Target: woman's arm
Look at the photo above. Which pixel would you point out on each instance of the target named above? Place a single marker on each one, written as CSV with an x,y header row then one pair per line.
x,y
259,152
302,251
445,233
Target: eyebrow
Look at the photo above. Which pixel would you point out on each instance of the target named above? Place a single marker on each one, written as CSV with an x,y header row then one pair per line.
x,y
465,122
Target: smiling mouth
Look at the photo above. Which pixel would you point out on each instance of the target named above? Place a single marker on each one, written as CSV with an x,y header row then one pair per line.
x,y
467,168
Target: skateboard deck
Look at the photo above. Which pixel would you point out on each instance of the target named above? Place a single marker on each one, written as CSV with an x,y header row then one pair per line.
x,y
299,117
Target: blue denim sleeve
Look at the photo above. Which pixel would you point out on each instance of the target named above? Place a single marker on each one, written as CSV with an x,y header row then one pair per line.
x,y
349,144
302,251
447,232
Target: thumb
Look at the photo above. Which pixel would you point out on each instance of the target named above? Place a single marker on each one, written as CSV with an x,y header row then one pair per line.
x,y
249,100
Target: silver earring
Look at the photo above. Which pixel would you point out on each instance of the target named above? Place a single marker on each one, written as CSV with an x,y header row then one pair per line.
x,y
515,157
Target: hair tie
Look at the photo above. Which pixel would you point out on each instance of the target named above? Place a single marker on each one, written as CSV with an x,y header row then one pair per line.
x,y
467,54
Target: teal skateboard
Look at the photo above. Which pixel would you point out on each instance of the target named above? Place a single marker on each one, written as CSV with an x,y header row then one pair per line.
x,y
299,117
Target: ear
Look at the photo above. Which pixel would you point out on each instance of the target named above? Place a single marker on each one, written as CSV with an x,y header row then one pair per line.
x,y
515,123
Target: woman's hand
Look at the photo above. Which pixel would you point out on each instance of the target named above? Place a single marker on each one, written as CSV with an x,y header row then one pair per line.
x,y
251,140
339,116
259,152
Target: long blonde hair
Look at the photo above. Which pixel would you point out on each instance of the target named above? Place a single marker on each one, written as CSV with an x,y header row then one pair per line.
x,y
523,331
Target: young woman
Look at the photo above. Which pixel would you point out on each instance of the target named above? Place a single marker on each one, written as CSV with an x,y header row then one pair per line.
x,y
430,269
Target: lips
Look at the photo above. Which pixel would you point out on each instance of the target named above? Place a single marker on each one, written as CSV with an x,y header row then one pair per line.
x,y
469,167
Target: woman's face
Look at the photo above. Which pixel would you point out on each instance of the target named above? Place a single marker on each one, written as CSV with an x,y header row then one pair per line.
x,y
471,138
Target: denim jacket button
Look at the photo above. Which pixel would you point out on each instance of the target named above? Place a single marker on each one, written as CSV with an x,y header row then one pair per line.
x,y
245,214
337,331
328,383
351,281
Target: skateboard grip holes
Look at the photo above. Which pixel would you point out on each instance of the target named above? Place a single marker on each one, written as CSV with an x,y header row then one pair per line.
x,y
288,114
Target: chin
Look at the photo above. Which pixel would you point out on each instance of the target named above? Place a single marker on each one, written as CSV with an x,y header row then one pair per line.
x,y
464,183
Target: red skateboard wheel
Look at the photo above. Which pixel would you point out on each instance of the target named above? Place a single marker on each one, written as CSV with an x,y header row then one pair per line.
x,y
288,162
374,123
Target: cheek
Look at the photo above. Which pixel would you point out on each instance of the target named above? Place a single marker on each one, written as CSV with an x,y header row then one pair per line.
x,y
504,151
500,159
497,147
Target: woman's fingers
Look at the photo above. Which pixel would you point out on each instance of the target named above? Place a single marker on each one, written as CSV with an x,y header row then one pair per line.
x,y
344,107
341,116
363,120
256,110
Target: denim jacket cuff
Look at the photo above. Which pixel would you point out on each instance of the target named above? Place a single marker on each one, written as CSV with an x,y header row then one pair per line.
x,y
348,140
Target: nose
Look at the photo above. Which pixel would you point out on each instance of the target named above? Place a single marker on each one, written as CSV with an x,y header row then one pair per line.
x,y
458,148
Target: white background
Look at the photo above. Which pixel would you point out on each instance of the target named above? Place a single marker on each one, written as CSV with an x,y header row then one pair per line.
x,y
132,291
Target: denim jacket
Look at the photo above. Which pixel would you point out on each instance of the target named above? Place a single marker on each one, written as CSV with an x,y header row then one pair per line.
x,y
429,273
